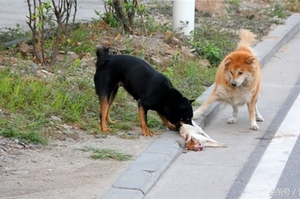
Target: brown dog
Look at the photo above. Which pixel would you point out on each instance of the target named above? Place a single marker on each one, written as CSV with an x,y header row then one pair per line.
x,y
238,81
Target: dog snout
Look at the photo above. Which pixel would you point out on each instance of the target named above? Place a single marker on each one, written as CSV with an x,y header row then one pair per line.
x,y
198,147
233,83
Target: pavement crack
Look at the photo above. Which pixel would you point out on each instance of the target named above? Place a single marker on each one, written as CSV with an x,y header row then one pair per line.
x,y
151,173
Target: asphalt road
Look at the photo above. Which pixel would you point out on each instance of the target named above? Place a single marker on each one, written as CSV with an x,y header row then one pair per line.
x,y
13,12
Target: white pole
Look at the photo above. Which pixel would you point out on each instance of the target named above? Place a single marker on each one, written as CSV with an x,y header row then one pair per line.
x,y
183,16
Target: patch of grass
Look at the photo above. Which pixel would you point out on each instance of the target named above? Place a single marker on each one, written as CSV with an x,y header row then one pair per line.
x,y
82,39
31,95
211,43
279,10
128,136
124,125
105,154
193,76
234,2
36,100
152,26
25,133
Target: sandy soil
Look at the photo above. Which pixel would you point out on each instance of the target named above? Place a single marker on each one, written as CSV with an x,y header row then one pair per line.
x,y
61,170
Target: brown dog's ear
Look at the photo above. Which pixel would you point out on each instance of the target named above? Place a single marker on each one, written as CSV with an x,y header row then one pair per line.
x,y
250,60
227,61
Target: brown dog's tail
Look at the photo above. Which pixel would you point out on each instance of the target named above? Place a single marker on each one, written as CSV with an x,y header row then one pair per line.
x,y
247,40
102,52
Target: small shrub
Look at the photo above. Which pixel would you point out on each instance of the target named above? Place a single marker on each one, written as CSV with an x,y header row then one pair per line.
x,y
208,50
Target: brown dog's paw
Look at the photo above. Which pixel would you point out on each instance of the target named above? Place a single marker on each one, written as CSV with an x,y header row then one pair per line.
x,y
259,118
254,127
148,134
105,130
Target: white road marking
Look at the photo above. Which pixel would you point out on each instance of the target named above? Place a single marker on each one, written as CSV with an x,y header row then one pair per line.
x,y
272,163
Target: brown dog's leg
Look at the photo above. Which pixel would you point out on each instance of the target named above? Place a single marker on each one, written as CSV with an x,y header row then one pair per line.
x,y
104,107
213,97
251,109
167,123
143,124
235,111
258,116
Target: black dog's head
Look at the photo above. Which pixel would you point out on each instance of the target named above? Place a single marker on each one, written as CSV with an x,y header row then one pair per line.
x,y
179,109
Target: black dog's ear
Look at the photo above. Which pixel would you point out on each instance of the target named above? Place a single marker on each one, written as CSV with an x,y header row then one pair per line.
x,y
191,101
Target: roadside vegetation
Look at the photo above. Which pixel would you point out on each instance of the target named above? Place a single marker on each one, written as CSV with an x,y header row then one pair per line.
x,y
56,99
105,154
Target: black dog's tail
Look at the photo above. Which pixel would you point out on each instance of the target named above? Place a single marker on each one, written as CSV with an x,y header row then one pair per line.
x,y
102,52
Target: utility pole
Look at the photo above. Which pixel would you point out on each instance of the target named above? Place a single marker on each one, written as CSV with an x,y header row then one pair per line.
x,y
183,16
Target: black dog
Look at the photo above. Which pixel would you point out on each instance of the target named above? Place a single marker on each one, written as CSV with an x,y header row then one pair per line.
x,y
151,89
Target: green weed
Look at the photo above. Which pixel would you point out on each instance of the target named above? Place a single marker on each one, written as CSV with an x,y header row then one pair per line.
x,y
194,76
211,52
212,43
279,11
83,40
38,99
105,154
25,131
235,3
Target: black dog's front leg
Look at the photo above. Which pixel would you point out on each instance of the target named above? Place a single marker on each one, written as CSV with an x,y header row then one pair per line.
x,y
167,122
143,120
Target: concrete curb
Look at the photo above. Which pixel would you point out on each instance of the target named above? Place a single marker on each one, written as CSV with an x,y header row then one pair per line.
x,y
146,170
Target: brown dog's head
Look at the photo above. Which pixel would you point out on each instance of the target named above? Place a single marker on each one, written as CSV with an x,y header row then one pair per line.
x,y
239,68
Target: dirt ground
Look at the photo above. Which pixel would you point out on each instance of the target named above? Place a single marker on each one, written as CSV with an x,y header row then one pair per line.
x,y
61,170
